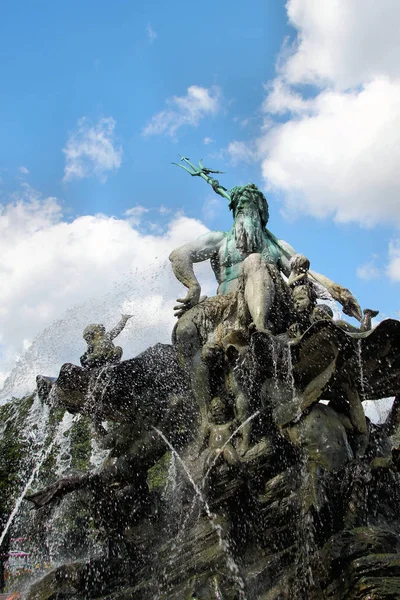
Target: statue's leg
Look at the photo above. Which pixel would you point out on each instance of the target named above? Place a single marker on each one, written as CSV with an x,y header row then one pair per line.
x,y
242,413
230,455
59,489
259,290
357,417
189,350
366,323
117,354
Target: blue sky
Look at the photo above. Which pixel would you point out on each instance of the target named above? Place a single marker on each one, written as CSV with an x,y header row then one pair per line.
x,y
87,59
98,98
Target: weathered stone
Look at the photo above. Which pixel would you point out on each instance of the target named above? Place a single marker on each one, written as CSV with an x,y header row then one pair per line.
x,y
226,476
321,434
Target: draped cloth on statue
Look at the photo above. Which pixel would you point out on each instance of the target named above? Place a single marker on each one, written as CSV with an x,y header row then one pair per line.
x,y
216,316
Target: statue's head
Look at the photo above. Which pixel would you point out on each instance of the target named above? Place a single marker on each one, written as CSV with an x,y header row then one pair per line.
x,y
92,331
244,197
302,299
218,410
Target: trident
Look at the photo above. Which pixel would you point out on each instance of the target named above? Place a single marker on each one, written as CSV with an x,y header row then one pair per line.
x,y
343,295
203,172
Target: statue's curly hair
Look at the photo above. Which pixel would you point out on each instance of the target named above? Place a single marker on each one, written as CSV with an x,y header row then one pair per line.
x,y
90,331
257,196
299,261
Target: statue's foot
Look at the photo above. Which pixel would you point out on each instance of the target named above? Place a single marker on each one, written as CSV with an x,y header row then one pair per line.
x,y
242,447
253,328
235,345
57,490
237,337
211,353
368,312
44,497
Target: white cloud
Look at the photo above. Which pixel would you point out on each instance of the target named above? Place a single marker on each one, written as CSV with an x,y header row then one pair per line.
x,y
343,43
281,99
187,110
91,150
97,264
208,140
393,267
242,152
23,170
336,153
134,215
151,34
342,160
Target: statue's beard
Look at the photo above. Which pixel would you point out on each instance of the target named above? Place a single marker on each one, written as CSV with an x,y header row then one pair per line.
x,y
248,231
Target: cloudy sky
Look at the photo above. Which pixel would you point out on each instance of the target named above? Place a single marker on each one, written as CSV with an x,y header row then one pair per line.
x,y
97,99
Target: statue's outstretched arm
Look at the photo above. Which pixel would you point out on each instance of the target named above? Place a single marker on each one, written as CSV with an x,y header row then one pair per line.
x,y
340,294
183,258
119,327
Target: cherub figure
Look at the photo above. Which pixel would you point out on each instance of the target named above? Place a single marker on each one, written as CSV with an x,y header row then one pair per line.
x,y
217,433
101,350
323,312
305,301
303,290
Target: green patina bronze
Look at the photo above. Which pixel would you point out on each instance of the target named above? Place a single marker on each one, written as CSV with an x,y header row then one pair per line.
x,y
236,463
248,203
235,193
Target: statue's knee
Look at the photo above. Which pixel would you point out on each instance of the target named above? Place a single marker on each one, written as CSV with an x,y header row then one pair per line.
x,y
252,262
186,332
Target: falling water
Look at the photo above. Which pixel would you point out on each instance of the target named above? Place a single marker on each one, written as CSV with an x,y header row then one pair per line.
x,y
35,432
34,473
218,593
64,456
360,364
305,533
173,467
231,564
275,363
98,454
94,385
289,372
227,442
170,484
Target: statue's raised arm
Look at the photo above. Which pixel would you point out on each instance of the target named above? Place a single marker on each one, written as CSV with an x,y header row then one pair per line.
x,y
115,331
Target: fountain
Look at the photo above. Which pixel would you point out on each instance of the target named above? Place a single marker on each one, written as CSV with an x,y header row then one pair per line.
x,y
235,463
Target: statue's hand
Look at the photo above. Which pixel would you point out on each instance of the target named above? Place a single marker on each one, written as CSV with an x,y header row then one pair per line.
x,y
352,308
215,185
126,317
191,299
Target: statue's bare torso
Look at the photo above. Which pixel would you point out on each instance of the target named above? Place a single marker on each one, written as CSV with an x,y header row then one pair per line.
x,y
227,259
